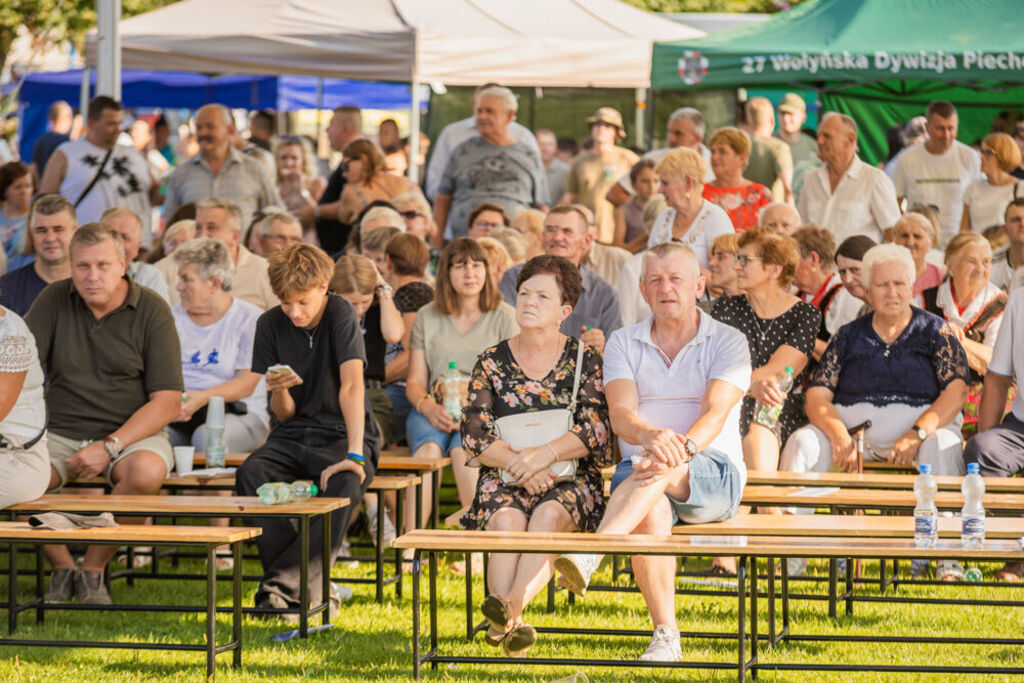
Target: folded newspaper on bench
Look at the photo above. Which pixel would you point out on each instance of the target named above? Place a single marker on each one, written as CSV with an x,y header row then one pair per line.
x,y
62,521
212,472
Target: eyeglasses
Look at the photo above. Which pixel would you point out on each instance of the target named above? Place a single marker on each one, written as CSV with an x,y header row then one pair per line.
x,y
284,239
743,259
985,151
487,225
410,214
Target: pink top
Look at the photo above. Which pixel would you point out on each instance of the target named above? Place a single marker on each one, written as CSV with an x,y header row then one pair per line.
x,y
930,277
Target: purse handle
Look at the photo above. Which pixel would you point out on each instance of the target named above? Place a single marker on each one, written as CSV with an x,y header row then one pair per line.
x,y
576,378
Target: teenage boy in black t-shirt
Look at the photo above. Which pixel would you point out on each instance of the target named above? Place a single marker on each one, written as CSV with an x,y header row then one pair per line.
x,y
326,430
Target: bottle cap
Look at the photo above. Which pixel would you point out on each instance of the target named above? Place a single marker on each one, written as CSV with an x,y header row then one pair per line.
x,y
789,370
926,468
452,365
313,490
972,468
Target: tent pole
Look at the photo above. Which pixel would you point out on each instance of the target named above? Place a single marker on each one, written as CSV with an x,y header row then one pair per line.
x,y
108,48
414,134
319,105
641,105
83,93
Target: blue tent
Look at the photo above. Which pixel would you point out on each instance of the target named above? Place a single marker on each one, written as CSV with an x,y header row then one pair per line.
x,y
172,90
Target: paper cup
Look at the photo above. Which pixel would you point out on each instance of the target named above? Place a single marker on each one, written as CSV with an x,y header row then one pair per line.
x,y
183,459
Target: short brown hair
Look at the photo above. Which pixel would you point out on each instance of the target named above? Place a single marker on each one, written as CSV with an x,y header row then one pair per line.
x,y
1017,203
487,206
461,250
940,108
46,205
774,249
100,104
728,243
92,234
813,239
408,254
567,276
15,170
734,138
373,158
298,268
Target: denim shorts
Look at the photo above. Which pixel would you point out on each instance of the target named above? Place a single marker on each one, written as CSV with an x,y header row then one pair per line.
x,y
419,431
715,488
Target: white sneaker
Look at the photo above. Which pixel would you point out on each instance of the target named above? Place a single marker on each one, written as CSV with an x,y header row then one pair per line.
x,y
949,570
576,570
389,532
664,646
341,591
796,566
371,524
346,551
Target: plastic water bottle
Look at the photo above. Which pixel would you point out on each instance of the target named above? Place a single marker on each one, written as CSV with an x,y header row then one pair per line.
x,y
215,432
277,492
453,391
926,515
972,515
769,415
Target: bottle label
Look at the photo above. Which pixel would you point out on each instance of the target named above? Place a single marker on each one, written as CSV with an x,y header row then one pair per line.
x,y
926,525
973,525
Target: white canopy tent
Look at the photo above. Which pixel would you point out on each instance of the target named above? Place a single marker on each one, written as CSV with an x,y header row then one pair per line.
x,y
598,43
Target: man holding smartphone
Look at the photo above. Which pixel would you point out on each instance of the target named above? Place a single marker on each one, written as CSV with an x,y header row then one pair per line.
x,y
311,350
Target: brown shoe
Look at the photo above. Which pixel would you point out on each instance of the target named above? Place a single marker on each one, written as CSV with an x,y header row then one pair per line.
x,y
496,611
1011,571
90,589
519,640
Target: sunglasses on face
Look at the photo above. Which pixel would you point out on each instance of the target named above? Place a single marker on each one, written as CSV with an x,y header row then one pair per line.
x,y
409,215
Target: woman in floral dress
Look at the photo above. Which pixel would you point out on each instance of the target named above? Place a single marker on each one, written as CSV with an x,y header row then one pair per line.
x,y
534,371
742,199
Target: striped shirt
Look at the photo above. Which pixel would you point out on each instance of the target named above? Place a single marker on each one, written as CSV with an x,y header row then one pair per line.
x,y
242,179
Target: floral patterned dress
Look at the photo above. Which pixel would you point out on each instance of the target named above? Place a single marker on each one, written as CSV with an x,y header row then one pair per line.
x,y
741,203
499,387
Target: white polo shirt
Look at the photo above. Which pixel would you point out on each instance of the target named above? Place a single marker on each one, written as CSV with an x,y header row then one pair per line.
x,y
1008,352
670,395
864,202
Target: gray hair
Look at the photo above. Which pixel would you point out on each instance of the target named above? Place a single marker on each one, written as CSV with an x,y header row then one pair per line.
x,y
267,224
507,97
115,211
234,211
848,122
692,115
210,257
920,219
666,249
887,253
395,219
778,205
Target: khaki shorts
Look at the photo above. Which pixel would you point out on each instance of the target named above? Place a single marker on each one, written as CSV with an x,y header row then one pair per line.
x,y
62,448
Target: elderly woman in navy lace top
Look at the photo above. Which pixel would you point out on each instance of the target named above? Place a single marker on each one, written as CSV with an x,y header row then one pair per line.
x,y
900,367
531,371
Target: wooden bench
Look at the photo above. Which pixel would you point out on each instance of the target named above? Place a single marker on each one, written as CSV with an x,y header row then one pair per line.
x,y
747,549
207,538
870,499
873,480
206,507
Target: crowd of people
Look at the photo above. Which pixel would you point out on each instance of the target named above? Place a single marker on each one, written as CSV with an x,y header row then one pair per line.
x,y
639,307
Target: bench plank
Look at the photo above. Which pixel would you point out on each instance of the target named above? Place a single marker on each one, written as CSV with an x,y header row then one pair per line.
x,y
864,526
872,480
640,544
129,533
872,498
178,505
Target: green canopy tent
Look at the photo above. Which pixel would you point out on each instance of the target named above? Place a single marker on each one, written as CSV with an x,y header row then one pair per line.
x,y
881,61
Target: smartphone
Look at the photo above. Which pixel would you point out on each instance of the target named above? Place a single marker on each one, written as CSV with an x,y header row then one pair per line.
x,y
280,369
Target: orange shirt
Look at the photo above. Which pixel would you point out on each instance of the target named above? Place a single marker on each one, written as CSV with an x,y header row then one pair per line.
x,y
741,203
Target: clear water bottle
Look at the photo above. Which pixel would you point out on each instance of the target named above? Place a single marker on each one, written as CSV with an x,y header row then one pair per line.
x,y
926,515
453,391
972,515
215,432
769,415
277,492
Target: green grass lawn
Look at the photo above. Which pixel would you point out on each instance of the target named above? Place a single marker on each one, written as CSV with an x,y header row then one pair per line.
x,y
372,642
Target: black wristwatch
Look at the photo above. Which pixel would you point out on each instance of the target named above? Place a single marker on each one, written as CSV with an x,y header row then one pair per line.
x,y
919,432
691,448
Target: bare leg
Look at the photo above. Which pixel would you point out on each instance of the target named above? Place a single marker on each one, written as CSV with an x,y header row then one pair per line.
x,y
141,473
630,502
761,452
534,570
465,476
502,568
655,575
431,451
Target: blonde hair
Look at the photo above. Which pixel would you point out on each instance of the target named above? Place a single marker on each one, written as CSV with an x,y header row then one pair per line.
x,y
308,163
963,240
534,219
497,254
728,244
682,163
354,274
513,241
297,269
1006,150
735,138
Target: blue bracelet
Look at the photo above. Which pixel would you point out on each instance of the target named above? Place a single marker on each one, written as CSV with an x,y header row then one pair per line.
x,y
357,457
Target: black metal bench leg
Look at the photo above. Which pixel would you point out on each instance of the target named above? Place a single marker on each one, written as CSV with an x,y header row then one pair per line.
x,y
399,526
12,589
741,625
551,595
416,616
379,554
236,607
211,611
304,576
469,596
771,602
434,607
40,580
849,587
753,616
325,567
833,579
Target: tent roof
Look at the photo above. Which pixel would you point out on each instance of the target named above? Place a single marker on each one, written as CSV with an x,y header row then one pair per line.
x,y
854,41
602,43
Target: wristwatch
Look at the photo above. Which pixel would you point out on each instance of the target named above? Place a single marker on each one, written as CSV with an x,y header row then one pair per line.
x,y
691,448
919,432
113,446
383,290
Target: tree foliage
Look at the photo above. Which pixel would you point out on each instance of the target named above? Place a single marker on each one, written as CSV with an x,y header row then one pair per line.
x,y
70,19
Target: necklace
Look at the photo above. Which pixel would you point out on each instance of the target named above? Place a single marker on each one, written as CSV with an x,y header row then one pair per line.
x,y
310,335
529,371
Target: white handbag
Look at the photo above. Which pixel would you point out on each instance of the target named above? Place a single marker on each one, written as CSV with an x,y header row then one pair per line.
x,y
539,427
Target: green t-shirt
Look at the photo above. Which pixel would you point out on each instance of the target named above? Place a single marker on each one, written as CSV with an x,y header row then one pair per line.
x,y
435,334
99,372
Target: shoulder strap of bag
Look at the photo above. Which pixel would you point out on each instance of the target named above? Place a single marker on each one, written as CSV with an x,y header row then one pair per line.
x,y
95,178
576,378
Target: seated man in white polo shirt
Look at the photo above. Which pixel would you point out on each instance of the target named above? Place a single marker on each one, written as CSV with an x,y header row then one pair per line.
x,y
673,384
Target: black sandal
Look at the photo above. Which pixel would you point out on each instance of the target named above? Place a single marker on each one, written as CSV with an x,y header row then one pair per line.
x,y
719,572
519,640
496,611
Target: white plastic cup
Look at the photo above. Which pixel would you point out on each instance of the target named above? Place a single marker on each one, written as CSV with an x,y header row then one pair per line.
x,y
184,456
215,412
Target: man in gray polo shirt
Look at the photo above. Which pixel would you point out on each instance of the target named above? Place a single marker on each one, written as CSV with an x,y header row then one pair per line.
x,y
596,316
113,367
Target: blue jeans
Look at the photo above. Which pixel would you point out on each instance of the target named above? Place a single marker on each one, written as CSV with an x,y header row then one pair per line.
x,y
716,487
401,405
419,431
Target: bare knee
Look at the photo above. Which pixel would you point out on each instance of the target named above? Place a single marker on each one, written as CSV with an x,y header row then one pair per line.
x,y
507,519
428,450
550,516
141,472
658,521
